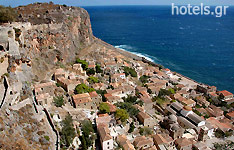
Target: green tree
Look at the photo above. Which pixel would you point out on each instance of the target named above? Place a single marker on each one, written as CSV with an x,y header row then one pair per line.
x,y
82,88
145,131
92,80
83,143
132,111
88,132
104,108
164,92
144,79
90,71
172,91
83,63
98,69
130,71
67,133
130,99
132,127
59,101
121,115
7,14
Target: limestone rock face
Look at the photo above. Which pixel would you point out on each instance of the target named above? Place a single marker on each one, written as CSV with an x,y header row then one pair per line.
x,y
47,35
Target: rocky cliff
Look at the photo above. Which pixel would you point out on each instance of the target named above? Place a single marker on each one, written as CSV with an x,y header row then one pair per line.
x,y
44,36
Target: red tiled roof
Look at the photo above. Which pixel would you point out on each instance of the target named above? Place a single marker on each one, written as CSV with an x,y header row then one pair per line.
x,y
93,94
225,93
231,114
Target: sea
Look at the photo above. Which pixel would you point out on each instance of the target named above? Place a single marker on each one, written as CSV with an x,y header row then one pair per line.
x,y
199,47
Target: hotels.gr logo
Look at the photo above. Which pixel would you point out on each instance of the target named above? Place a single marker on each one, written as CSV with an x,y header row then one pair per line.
x,y
217,11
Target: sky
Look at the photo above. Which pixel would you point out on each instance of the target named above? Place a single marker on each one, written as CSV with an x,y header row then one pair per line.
x,y
15,3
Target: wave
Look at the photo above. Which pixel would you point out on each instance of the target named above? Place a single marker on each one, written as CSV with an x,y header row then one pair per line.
x,y
130,49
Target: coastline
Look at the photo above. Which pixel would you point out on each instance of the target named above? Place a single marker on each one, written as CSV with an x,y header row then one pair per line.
x,y
145,59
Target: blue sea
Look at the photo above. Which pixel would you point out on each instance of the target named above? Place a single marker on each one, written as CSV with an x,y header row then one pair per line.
x,y
200,47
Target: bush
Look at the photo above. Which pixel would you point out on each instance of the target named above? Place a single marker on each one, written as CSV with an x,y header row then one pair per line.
x,y
98,69
132,111
145,131
59,101
7,14
144,79
164,92
67,133
104,108
88,132
121,115
92,80
83,63
47,138
130,71
90,71
132,127
82,88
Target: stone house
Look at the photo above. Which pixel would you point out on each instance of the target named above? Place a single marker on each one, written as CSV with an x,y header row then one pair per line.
x,y
230,115
118,77
97,99
83,101
163,141
112,99
146,120
42,88
183,144
141,142
44,99
68,84
201,100
214,111
226,96
124,142
106,139
77,68
106,119
59,73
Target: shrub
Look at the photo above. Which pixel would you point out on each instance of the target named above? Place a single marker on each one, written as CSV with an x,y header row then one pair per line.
x,y
47,138
132,111
132,127
67,133
59,101
7,14
98,69
130,71
144,79
92,80
122,115
88,132
104,108
82,88
90,71
83,63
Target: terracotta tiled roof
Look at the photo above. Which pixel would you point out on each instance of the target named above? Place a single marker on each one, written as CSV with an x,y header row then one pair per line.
x,y
104,132
93,94
162,139
41,85
217,124
141,141
225,93
231,114
183,142
143,115
81,98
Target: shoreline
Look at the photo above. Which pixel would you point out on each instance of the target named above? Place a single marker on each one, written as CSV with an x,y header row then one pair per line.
x,y
146,60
